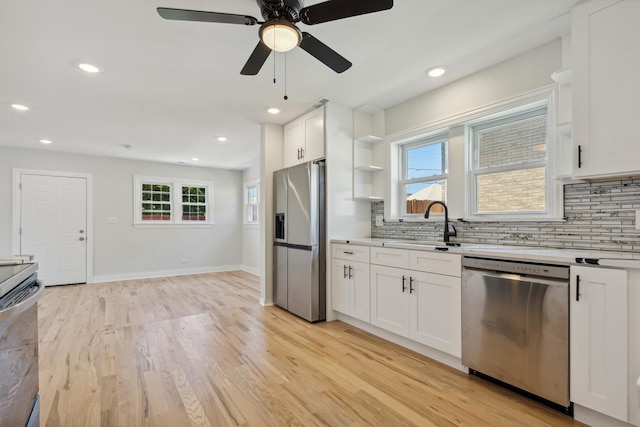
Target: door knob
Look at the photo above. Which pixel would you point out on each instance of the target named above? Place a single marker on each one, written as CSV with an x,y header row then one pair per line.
x,y
81,231
82,239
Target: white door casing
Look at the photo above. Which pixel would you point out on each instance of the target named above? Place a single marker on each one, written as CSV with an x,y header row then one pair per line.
x,y
52,222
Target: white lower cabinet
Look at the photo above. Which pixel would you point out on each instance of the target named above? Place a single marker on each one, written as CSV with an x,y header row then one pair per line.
x,y
424,307
599,340
350,289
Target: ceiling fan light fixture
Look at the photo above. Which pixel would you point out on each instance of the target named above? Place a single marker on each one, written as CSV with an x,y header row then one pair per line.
x,y
281,36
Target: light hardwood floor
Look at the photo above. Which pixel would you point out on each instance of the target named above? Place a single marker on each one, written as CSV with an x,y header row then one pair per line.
x,y
200,351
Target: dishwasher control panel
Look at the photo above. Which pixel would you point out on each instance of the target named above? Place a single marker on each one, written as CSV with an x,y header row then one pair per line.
x,y
517,267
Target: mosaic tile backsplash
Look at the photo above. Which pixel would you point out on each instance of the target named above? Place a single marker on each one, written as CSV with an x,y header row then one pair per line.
x,y
599,216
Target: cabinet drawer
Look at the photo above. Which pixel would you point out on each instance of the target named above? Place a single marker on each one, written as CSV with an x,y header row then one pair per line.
x,y
436,262
350,252
390,257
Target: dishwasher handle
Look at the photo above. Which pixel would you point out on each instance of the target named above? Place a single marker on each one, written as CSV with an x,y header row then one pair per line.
x,y
14,310
466,271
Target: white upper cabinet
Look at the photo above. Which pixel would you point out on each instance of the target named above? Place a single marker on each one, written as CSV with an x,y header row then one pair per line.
x,y
606,89
304,138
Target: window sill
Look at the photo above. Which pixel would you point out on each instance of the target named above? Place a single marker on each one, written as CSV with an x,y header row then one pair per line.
x,y
174,225
251,225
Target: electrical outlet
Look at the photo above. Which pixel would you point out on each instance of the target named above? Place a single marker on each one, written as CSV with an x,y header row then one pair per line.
x,y
185,261
111,220
379,220
638,220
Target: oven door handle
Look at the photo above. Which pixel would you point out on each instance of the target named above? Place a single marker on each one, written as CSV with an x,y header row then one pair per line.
x,y
516,277
23,305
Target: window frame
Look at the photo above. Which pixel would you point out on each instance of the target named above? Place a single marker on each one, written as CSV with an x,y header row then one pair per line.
x,y
404,148
457,127
506,117
246,204
175,185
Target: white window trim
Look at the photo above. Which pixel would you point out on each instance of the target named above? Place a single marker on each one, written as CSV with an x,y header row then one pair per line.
x,y
253,183
176,185
458,179
433,138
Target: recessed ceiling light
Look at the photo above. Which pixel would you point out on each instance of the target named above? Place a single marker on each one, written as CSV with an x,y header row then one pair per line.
x,y
436,71
19,107
273,110
222,138
89,68
195,159
46,141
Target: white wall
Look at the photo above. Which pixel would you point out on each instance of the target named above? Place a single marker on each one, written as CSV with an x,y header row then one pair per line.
x,y
271,159
251,249
120,250
502,81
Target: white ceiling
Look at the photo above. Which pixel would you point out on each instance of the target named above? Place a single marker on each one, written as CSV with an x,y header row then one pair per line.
x,y
169,88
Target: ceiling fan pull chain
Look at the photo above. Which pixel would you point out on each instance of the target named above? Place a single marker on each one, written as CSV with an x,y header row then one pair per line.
x,y
285,77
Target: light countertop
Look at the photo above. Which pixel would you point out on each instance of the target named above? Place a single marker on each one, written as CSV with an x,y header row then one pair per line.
x,y
630,260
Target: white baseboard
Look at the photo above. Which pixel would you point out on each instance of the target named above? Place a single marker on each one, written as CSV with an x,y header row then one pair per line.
x,y
596,419
163,273
432,353
250,270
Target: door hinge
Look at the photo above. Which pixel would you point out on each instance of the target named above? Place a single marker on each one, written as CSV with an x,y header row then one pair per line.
x,y
20,230
19,186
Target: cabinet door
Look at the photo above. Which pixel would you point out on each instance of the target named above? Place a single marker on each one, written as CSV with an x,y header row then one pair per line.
x,y
314,135
599,339
389,301
293,143
605,87
435,311
340,286
360,291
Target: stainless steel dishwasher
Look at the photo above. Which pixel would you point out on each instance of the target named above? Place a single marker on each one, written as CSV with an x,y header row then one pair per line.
x,y
515,325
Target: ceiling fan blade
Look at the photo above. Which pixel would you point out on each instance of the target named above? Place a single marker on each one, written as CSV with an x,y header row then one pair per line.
x,y
339,9
324,53
256,60
202,16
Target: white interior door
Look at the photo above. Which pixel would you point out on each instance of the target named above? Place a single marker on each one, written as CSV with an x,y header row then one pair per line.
x,y
53,222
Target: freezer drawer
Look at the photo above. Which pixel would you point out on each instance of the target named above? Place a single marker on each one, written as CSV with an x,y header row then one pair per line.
x,y
306,290
280,276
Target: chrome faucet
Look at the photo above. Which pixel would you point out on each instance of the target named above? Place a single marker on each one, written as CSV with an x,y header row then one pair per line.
x,y
447,233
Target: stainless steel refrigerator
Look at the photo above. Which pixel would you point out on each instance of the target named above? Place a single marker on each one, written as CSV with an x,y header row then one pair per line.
x,y
299,284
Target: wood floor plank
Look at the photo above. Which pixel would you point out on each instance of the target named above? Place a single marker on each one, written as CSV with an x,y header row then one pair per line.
x,y
200,350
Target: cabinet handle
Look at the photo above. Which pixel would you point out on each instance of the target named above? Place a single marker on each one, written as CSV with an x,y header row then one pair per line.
x,y
410,285
344,271
404,287
298,154
302,153
347,252
579,156
577,288
350,273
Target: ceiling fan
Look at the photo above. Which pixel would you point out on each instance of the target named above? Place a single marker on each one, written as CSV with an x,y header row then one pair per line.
x,y
278,32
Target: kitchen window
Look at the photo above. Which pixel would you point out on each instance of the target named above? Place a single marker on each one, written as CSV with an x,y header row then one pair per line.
x,y
424,168
508,167
251,202
494,163
167,201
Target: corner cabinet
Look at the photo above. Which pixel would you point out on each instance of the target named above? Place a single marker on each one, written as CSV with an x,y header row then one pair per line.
x,y
599,340
605,72
304,138
368,153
